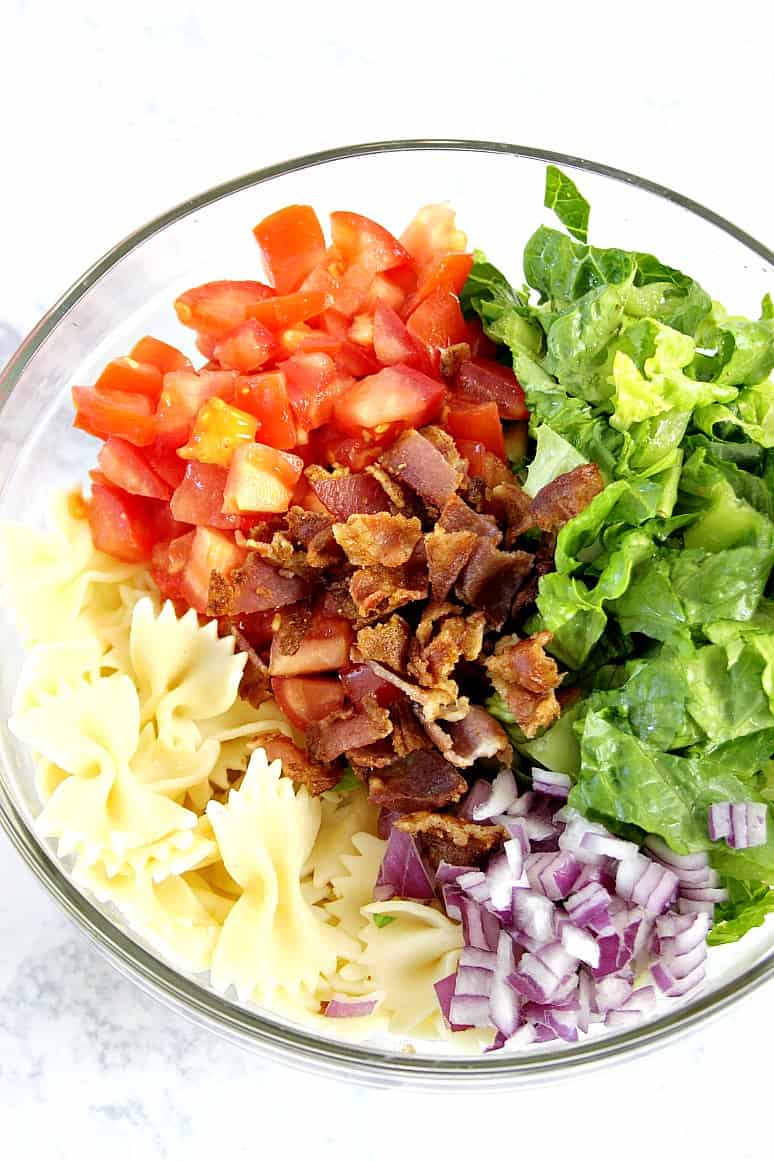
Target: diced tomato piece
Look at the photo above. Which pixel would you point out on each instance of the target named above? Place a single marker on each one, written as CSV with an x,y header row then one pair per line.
x,y
354,361
121,525
324,647
449,273
481,346
360,240
479,422
482,380
332,447
336,324
437,322
165,462
305,700
304,496
289,309
246,348
126,374
392,288
305,338
393,343
395,395
261,479
218,307
266,397
160,354
362,330
360,680
219,429
103,412
127,468
209,550
431,235
313,385
199,499
292,244
475,453
168,561
184,393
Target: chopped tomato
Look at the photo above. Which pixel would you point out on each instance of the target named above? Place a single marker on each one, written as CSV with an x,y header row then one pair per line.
x,y
127,374
475,453
306,338
160,354
219,429
261,479
168,561
362,330
104,412
479,422
165,462
266,397
313,384
199,499
332,447
393,343
121,525
437,323
481,346
292,244
324,647
394,395
483,380
218,307
354,361
127,468
305,700
246,348
210,551
431,235
360,680
449,273
287,310
184,393
336,324
392,288
360,240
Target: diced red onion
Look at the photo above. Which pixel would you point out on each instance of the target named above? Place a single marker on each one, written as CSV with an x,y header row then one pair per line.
x,y
682,965
603,844
350,1007
678,934
469,1011
502,793
501,881
665,854
522,805
522,1037
479,927
741,824
476,957
610,993
475,885
533,914
403,873
705,894
450,872
503,1000
452,898
515,852
653,886
551,782
590,907
478,793
575,831
691,906
534,980
602,872
473,981
632,1010
669,984
580,944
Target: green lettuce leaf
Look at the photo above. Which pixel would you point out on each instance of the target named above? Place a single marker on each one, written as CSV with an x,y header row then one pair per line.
x,y
553,457
733,507
747,906
563,197
556,748
752,412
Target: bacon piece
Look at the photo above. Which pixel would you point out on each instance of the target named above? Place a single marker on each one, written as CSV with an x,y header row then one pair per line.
x,y
491,580
407,733
443,638
413,460
512,507
544,563
253,588
344,495
293,626
280,553
439,701
401,498
377,591
457,516
447,838
387,642
350,729
451,358
254,685
422,780
372,757
443,443
526,678
566,496
447,555
338,602
297,764
475,736
378,539
313,531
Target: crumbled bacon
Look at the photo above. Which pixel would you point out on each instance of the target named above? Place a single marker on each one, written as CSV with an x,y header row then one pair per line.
x,y
544,563
457,516
422,780
378,591
475,736
387,642
253,588
566,496
313,531
451,358
512,505
344,494
447,838
254,685
297,764
407,733
373,757
526,678
378,539
442,639
447,555
443,443
293,626
438,701
491,580
413,460
350,729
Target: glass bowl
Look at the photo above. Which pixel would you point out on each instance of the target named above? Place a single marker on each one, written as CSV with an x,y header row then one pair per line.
x,y
497,191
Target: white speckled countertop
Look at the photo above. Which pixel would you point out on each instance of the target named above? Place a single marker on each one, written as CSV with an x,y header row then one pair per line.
x,y
113,113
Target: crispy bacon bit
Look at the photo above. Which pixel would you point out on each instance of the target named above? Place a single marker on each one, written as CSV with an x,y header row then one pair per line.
x,y
491,580
544,563
254,685
443,443
378,539
443,638
313,531
372,757
297,764
413,460
253,588
451,358
476,736
447,555
293,626
350,729
401,498
514,507
344,494
387,642
439,701
447,838
378,591
422,780
282,554
338,601
457,516
566,496
407,733
526,678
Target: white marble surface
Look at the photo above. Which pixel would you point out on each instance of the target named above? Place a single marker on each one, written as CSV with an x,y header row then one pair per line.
x,y
114,111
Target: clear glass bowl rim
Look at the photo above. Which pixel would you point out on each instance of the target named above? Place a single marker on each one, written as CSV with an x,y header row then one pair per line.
x,y
286,1044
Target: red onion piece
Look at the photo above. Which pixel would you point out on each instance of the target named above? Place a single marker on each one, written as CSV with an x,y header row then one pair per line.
x,y
580,944
691,906
603,844
479,927
533,914
473,981
450,872
502,794
522,805
678,863
500,881
551,782
669,984
444,989
478,793
452,897
741,824
349,1007
503,1000
590,907
705,894
403,873
469,1011
475,885
640,880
